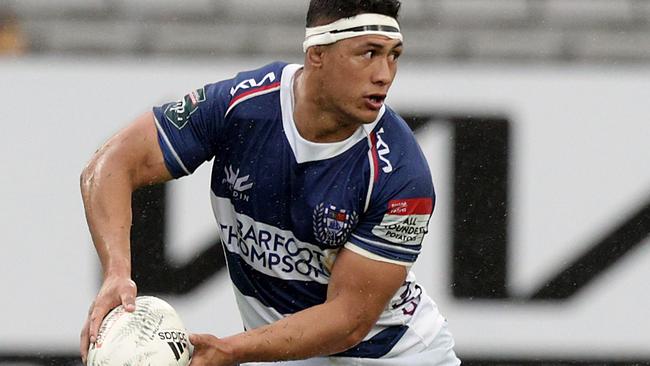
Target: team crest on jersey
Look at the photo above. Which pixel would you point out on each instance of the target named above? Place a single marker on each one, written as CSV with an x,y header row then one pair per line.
x,y
332,226
179,113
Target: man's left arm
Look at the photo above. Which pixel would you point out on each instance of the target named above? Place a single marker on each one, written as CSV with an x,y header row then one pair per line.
x,y
358,291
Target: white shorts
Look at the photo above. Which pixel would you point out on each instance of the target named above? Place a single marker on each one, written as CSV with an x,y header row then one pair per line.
x,y
439,353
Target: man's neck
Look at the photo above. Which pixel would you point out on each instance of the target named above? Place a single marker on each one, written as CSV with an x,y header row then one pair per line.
x,y
314,120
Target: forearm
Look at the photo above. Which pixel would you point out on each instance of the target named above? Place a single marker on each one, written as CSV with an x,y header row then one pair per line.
x,y
127,161
106,190
317,331
358,291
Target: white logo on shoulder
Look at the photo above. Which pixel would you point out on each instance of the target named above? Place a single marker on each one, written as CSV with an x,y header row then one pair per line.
x,y
237,184
382,151
252,83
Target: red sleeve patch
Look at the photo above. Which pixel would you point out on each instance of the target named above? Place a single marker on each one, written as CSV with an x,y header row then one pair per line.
x,y
411,206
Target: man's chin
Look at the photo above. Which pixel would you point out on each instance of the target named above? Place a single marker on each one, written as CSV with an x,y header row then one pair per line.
x,y
369,116
362,116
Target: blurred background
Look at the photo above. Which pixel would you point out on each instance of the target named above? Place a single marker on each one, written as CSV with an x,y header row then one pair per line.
x,y
526,31
533,115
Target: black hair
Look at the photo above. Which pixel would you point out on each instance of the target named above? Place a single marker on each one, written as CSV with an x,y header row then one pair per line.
x,y
326,11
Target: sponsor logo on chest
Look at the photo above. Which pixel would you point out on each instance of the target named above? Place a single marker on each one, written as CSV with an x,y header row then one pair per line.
x,y
270,250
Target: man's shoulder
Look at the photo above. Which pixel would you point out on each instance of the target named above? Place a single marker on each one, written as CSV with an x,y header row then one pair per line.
x,y
395,138
402,171
263,78
394,125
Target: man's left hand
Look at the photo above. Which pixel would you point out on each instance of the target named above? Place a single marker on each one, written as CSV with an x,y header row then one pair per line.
x,y
210,350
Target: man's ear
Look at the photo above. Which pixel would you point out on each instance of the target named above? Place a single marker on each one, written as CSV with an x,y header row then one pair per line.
x,y
314,56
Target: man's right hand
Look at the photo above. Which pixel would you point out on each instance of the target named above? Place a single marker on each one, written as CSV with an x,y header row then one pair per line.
x,y
114,291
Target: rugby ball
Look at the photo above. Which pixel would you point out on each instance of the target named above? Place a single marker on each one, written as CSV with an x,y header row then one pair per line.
x,y
151,335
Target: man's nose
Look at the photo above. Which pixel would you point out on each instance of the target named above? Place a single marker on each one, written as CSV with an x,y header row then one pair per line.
x,y
383,74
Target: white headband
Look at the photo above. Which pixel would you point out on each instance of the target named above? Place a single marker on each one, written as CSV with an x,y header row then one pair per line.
x,y
359,25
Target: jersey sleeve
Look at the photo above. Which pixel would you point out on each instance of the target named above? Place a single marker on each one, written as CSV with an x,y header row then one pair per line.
x,y
396,221
190,129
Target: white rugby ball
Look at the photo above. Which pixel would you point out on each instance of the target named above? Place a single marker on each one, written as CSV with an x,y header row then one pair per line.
x,y
151,335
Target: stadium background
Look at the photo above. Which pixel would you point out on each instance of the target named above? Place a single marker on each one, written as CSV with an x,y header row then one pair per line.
x,y
532,113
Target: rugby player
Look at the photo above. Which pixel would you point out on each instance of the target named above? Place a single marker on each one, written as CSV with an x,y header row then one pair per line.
x,y
320,192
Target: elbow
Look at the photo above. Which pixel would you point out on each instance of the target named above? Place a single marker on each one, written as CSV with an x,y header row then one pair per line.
x,y
354,323
356,334
85,178
91,174
90,171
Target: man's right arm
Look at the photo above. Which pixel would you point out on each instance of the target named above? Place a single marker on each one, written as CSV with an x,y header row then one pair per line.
x,y
130,159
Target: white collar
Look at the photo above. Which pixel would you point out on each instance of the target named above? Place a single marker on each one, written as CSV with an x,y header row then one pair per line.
x,y
305,150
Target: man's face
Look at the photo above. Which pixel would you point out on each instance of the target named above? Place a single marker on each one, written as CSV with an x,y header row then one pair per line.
x,y
357,75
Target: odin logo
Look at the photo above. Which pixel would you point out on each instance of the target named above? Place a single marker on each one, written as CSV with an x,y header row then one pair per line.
x,y
237,184
252,83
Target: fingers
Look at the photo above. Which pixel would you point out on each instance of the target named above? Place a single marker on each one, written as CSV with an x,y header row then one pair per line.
x,y
198,340
96,318
207,352
200,345
127,296
84,342
128,301
202,340
114,291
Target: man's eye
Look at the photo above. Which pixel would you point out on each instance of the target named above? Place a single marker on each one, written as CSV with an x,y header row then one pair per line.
x,y
369,54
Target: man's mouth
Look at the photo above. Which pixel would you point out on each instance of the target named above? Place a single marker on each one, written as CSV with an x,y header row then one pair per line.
x,y
375,101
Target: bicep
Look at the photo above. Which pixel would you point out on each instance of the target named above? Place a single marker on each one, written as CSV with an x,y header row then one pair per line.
x,y
136,149
364,285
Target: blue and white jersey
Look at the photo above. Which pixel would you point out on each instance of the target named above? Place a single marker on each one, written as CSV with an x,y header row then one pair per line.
x,y
285,206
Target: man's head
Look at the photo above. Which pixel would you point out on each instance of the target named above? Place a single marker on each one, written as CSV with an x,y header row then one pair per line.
x,y
351,49
327,11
